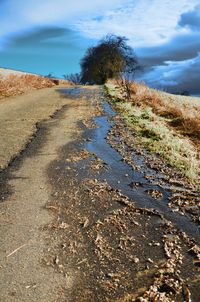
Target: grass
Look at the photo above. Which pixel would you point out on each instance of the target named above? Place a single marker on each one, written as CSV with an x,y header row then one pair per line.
x,y
165,124
13,84
180,112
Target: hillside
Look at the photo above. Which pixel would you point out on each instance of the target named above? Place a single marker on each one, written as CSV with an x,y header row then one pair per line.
x,y
163,123
14,82
5,72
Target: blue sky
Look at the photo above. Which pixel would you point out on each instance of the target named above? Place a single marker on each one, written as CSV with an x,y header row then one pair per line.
x,y
52,36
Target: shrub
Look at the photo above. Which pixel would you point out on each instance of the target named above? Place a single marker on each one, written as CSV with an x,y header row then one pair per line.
x,y
111,57
74,78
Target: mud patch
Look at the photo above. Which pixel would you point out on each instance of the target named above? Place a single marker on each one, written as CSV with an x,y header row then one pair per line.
x,y
181,195
115,250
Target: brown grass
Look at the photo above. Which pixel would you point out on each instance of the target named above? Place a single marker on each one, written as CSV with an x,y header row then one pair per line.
x,y
183,116
165,124
18,84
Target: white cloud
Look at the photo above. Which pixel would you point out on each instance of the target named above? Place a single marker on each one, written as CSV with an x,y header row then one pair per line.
x,y
18,16
158,30
144,22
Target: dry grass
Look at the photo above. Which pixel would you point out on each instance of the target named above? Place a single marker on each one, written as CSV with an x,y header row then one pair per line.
x,y
65,82
165,124
184,116
14,84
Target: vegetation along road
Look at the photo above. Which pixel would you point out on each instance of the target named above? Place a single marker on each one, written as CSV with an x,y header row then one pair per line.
x,y
86,213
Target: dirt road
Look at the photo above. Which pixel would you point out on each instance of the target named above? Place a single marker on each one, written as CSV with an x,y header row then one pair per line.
x,y
19,117
77,220
22,215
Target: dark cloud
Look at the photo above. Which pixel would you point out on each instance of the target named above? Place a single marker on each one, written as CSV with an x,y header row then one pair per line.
x,y
191,19
175,65
181,47
189,79
44,35
44,50
176,76
41,34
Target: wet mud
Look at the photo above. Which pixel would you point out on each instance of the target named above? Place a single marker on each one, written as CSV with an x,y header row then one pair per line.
x,y
117,236
114,234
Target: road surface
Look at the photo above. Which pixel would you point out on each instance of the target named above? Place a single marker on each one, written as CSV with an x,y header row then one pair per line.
x,y
72,228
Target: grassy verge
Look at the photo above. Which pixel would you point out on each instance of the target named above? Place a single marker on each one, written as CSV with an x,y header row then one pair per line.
x,y
164,124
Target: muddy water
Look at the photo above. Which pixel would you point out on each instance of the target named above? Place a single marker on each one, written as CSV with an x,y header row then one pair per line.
x,y
120,175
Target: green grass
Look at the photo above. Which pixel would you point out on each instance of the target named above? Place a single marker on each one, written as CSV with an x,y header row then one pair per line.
x,y
154,132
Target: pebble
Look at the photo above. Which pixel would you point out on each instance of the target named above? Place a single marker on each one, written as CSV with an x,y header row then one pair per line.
x,y
136,260
150,260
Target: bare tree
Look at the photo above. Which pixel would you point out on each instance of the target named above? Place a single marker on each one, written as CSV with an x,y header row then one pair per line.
x,y
73,77
111,58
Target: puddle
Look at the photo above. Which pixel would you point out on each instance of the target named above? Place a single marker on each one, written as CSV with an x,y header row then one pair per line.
x,y
120,175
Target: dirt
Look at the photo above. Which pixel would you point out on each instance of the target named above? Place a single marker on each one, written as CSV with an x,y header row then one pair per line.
x,y
71,230
22,214
19,117
182,197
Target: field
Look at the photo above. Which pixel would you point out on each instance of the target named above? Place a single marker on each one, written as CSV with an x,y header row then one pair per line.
x,y
14,83
165,124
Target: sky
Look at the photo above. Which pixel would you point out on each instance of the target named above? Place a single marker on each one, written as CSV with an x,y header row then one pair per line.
x,y
51,36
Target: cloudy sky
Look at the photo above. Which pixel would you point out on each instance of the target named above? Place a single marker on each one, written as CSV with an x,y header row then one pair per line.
x,y
51,36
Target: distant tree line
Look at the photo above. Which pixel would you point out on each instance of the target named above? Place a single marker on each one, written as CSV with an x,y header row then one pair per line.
x,y
184,92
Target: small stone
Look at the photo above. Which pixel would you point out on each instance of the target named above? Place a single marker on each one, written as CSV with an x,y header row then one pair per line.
x,y
150,260
157,244
56,260
136,260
